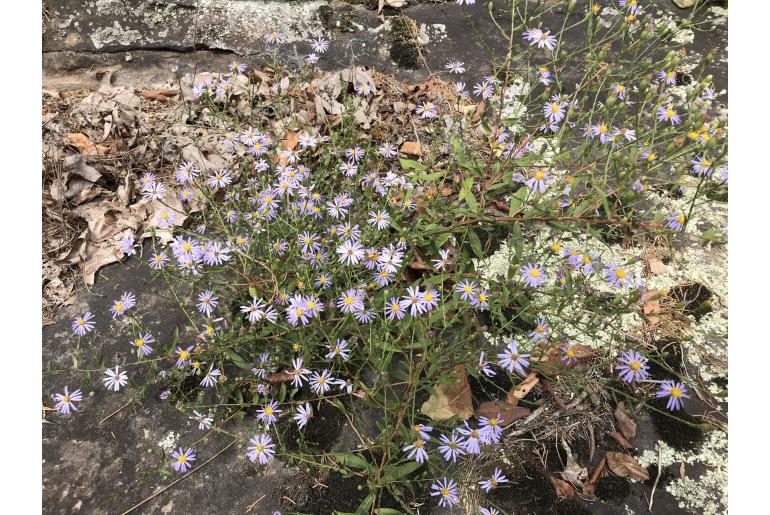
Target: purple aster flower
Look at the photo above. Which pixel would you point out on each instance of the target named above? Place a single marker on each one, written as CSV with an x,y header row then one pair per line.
x,y
414,301
298,373
261,449
619,90
120,306
417,451
114,379
455,67
394,310
210,379
480,301
667,114
483,367
354,154
340,349
267,413
303,415
204,422
274,38
183,356
83,324
320,383
555,110
540,38
445,489
426,110
676,221
617,275
379,219
466,289
541,330
65,402
142,343
350,252
452,447
351,301
569,356
388,150
511,360
472,439
537,181
545,76
632,367
207,302
422,431
534,275
128,245
669,77
320,45
702,166
490,429
183,459
675,391
497,479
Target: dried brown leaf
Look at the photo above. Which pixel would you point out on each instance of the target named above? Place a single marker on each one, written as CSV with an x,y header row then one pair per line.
x,y
625,424
657,266
618,437
507,412
84,145
279,377
161,95
625,465
522,389
561,487
450,399
412,148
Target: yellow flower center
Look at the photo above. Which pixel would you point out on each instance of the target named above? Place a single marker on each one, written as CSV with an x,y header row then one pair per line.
x,y
539,175
620,273
139,342
66,398
118,306
602,129
534,272
676,392
184,354
635,365
268,410
182,458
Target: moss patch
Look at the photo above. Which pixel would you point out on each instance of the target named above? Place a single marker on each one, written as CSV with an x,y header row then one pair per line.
x,y
404,48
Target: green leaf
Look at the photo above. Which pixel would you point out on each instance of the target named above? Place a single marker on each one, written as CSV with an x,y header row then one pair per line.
x,y
713,235
475,242
466,194
517,200
518,242
393,473
238,360
387,511
352,460
409,164
253,292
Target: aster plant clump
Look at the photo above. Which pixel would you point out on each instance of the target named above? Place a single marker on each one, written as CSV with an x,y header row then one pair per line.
x,y
323,269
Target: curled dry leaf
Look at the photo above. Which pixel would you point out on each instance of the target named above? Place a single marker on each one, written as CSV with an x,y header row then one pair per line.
x,y
84,145
618,437
625,465
656,266
551,363
625,424
161,95
450,399
596,475
520,391
279,377
507,412
561,487
412,148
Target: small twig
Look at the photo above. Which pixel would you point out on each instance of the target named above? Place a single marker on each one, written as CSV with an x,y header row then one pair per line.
x,y
252,505
660,466
116,411
194,470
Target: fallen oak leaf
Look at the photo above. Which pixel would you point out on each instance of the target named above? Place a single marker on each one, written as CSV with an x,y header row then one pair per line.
x,y
561,487
450,400
657,266
522,389
507,412
625,465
